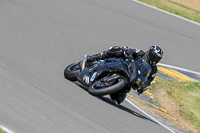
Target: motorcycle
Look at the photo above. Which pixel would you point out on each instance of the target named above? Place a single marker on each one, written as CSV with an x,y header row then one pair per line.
x,y
112,76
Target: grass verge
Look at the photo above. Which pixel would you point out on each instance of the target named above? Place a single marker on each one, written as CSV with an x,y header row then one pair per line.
x,y
184,11
186,95
2,131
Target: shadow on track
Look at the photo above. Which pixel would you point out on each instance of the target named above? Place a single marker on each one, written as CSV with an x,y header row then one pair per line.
x,y
109,101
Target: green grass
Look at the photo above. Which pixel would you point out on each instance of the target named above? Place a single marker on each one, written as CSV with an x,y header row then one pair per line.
x,y
186,95
191,16
155,101
1,131
184,6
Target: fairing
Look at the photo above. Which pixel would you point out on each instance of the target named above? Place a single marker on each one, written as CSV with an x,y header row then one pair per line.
x,y
132,70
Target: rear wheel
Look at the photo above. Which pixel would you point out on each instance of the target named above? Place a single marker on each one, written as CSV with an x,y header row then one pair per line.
x,y
104,87
72,71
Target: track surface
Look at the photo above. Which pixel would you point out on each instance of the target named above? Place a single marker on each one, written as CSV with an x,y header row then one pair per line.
x,y
40,38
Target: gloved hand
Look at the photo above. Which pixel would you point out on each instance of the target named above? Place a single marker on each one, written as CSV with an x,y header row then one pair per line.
x,y
142,89
127,52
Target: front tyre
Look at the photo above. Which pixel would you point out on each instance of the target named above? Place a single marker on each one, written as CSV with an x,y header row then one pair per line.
x,y
72,71
103,87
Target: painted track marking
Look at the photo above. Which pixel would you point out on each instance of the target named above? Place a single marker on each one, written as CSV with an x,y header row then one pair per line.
x,y
166,12
149,115
6,129
139,108
175,74
178,68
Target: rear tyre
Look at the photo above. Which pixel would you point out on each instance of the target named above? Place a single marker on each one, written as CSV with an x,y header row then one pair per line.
x,y
100,88
72,71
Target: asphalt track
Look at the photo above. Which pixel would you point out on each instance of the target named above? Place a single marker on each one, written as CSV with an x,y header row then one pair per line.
x,y
40,38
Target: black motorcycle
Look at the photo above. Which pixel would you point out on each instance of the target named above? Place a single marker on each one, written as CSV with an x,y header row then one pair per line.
x,y
112,76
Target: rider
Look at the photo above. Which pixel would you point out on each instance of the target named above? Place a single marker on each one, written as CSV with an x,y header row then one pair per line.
x,y
152,56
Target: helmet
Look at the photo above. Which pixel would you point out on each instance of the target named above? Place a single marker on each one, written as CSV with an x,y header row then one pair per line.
x,y
153,55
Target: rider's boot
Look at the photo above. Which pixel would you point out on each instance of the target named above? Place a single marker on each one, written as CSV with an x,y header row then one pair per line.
x,y
91,58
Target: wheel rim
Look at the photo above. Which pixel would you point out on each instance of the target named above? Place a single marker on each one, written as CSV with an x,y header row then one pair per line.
x,y
103,84
74,67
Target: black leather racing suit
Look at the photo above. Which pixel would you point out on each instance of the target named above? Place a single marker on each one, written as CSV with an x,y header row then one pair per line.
x,y
118,52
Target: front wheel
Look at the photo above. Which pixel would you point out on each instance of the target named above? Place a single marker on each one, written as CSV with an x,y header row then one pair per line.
x,y
72,71
104,87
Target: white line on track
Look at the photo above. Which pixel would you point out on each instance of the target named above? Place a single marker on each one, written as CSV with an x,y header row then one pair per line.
x,y
164,65
160,64
178,68
168,66
166,12
149,115
6,129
